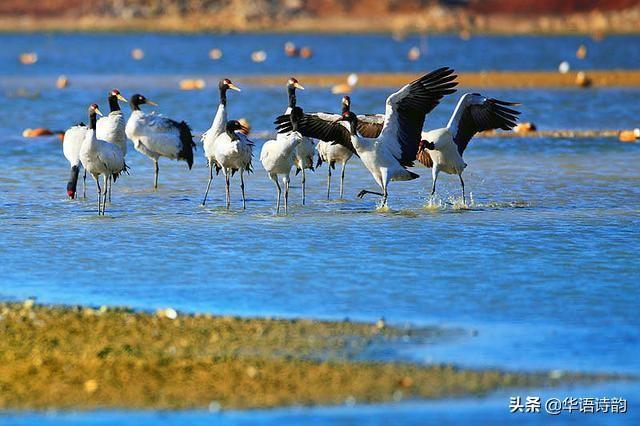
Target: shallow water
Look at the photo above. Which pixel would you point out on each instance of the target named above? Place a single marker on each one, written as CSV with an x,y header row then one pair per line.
x,y
188,54
540,271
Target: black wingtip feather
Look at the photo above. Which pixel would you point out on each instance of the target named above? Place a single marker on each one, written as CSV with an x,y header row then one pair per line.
x,y
186,153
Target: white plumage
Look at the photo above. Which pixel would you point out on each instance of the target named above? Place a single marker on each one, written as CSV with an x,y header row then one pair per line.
x,y
217,128
110,128
442,148
388,156
99,157
305,148
155,135
277,157
332,153
233,152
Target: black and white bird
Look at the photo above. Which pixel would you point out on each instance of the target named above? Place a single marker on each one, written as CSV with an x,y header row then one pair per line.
x,y
100,157
332,153
110,128
217,128
278,156
387,156
233,152
155,135
442,149
305,150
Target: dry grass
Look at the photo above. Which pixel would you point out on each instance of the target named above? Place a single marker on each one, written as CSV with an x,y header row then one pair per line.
x,y
84,358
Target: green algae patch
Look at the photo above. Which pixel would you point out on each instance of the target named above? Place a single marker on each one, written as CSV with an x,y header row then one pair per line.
x,y
84,358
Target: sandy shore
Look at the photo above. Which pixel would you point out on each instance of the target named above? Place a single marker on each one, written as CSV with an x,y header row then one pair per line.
x,y
87,358
485,79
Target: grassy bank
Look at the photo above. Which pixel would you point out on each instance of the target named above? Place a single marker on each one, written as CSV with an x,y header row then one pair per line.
x,y
86,358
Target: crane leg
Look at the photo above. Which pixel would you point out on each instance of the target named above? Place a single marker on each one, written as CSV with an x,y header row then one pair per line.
x,y
344,166
464,199
434,173
274,178
99,195
227,189
104,196
286,196
204,200
244,201
155,177
329,182
84,184
362,193
304,186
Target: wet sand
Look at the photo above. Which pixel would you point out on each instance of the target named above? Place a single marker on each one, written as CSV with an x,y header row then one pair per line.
x,y
485,79
86,358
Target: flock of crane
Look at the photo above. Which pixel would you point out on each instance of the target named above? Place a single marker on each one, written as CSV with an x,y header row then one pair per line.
x,y
387,144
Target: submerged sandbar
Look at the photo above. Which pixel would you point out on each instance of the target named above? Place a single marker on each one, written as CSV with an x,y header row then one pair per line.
x,y
62,357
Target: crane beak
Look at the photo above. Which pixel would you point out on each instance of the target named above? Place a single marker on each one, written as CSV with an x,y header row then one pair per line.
x,y
148,102
298,86
98,112
234,87
121,98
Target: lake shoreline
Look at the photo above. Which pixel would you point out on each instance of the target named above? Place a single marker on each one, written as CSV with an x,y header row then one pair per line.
x,y
436,21
84,358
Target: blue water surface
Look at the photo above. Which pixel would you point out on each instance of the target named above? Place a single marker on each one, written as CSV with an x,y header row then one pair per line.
x,y
165,54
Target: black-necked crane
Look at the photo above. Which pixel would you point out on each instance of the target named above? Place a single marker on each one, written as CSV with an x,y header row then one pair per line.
x,y
110,128
100,157
217,128
278,156
155,135
442,149
233,152
305,150
332,153
387,156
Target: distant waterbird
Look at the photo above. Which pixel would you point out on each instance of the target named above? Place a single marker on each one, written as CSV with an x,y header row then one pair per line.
x,y
42,131
155,135
442,149
346,88
388,155
99,157
218,127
